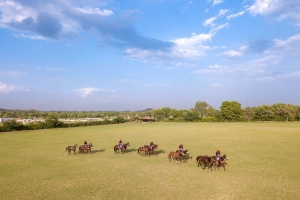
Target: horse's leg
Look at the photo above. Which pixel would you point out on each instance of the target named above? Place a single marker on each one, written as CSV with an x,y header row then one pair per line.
x,y
203,166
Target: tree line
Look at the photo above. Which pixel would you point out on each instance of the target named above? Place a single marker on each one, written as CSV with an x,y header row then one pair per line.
x,y
230,111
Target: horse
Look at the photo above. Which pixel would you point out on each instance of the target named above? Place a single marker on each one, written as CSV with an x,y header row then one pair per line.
x,y
146,150
174,155
123,149
155,146
87,148
140,150
222,161
71,148
205,161
183,154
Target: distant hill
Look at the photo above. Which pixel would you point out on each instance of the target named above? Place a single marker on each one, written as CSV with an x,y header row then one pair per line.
x,y
148,109
32,110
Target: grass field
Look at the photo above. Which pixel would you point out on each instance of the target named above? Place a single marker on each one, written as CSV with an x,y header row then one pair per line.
x,y
263,162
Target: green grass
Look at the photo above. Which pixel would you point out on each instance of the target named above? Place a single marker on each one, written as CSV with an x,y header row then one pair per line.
x,y
263,162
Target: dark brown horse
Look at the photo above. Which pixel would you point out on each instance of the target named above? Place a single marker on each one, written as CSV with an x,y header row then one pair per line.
x,y
123,149
88,148
183,154
221,162
205,161
71,148
174,156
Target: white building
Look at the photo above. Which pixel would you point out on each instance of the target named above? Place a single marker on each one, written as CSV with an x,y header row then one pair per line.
x,y
5,119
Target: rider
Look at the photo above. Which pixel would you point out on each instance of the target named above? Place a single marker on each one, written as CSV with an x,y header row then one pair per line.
x,y
120,144
218,154
181,148
85,143
151,145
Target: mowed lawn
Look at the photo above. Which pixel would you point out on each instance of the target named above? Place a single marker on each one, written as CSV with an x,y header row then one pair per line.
x,y
264,162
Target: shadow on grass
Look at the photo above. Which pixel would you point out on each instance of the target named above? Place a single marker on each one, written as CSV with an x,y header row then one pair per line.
x,y
98,150
130,150
160,151
186,158
127,151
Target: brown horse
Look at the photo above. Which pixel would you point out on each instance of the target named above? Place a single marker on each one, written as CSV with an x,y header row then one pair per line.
x,y
146,150
123,149
174,156
140,151
154,147
88,148
221,162
71,148
205,161
183,154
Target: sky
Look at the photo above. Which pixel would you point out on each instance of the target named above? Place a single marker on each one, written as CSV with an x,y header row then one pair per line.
x,y
117,55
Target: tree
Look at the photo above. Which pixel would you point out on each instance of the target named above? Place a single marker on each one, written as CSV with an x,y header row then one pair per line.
x,y
249,113
11,125
231,110
162,113
283,110
264,113
211,111
201,108
191,116
52,122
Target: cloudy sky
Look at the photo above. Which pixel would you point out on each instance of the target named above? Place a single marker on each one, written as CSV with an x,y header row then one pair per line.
x,y
116,55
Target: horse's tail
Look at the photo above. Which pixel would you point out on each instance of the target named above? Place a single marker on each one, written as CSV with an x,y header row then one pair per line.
x,y
138,151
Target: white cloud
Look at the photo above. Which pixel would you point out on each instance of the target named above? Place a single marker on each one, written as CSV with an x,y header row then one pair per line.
x,y
215,2
280,9
4,88
236,15
289,46
214,69
32,37
222,12
12,11
210,21
84,92
232,54
279,76
95,11
184,48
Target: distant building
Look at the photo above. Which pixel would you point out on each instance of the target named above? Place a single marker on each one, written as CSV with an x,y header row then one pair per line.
x,y
26,121
5,119
147,119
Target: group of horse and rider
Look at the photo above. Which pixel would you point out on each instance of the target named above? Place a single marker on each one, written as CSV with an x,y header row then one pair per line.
x,y
85,148
216,161
203,161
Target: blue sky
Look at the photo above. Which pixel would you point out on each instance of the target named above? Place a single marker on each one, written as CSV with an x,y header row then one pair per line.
x,y
116,55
